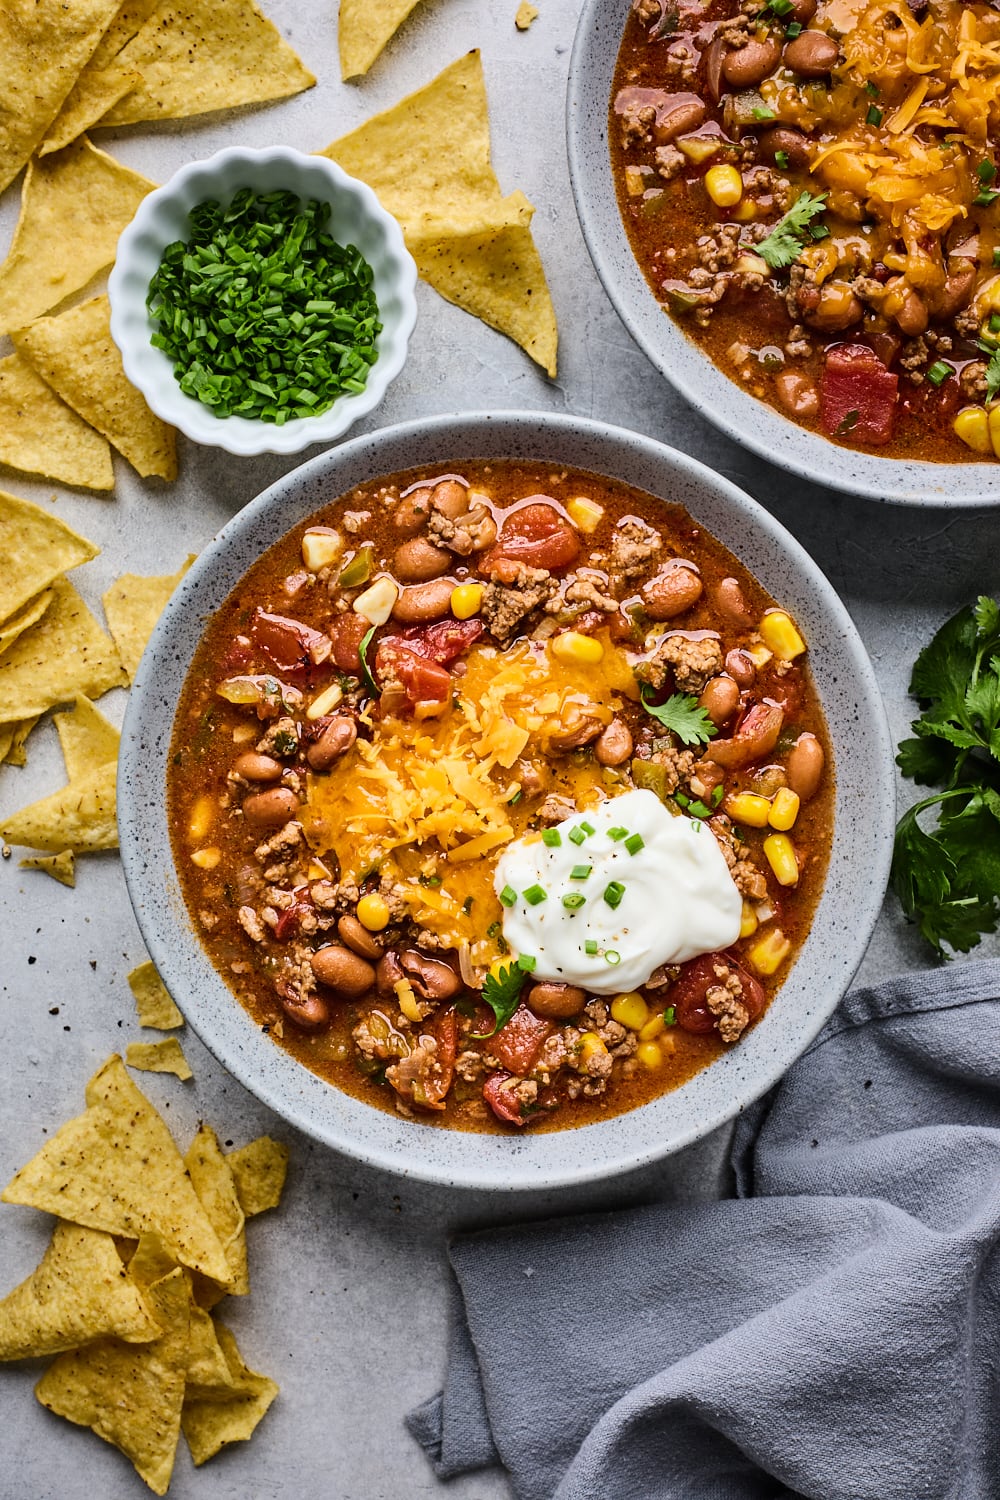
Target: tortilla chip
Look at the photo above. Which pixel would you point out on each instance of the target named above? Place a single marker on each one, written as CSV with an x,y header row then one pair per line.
x,y
159,1057
40,434
116,1167
12,738
208,1368
131,1395
66,653
103,81
88,741
428,159
80,816
150,1260
29,614
133,605
203,56
44,45
61,867
211,1173
153,1004
36,547
75,355
211,1424
259,1170
79,1291
364,28
525,15
74,205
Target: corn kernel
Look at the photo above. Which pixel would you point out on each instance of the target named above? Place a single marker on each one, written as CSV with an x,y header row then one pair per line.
x,y
758,654
466,600
748,808
244,732
201,819
635,181
584,513
770,951
749,921
325,701
206,859
746,211
653,1028
994,424
408,1001
784,809
780,635
376,603
630,1010
590,1045
317,870
648,1055
780,853
972,425
724,186
574,649
321,548
373,912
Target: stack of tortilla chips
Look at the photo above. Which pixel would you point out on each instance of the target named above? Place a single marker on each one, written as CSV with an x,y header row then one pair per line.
x,y
428,159
146,1244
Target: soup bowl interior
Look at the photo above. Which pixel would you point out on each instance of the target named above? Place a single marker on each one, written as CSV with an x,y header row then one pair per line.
x,y
844,918
741,416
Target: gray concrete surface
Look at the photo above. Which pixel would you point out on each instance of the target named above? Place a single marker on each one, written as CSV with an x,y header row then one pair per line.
x,y
349,1299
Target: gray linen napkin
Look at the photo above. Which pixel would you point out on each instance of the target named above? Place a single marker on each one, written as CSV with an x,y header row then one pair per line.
x,y
834,1333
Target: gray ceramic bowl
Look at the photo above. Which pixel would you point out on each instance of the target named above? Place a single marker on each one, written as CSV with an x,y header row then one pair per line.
x,y
844,919
720,399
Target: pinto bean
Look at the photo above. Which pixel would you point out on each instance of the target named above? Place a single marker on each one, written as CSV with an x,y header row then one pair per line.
x,y
836,308
720,698
792,142
812,54
431,977
450,498
423,602
741,668
801,11
797,393
671,592
254,767
756,736
338,736
686,114
731,601
958,287
750,65
412,512
556,1002
912,318
418,560
270,809
308,1011
359,939
342,970
613,745
389,973
804,766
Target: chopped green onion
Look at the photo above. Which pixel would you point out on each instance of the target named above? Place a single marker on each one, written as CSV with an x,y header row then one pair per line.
x,y
781,159
514,797
818,231
580,872
552,837
574,901
576,835
670,1016
617,833
761,112
526,963
718,794
987,196
534,894
939,372
613,893
994,322
508,896
611,957
635,843
996,257
590,946
588,827
793,29
874,116
986,171
682,799
871,90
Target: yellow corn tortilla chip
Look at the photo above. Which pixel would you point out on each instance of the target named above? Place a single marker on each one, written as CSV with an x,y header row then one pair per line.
x,y
75,355
103,81
61,867
208,1369
80,816
133,604
44,46
131,1395
203,56
213,1180
86,738
259,1170
39,434
12,738
212,1422
159,1057
364,28
66,653
36,547
74,205
79,1291
153,1003
150,1260
29,614
116,1167
525,15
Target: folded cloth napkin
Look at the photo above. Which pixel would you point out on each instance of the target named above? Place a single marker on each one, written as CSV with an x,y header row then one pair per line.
x,y
833,1333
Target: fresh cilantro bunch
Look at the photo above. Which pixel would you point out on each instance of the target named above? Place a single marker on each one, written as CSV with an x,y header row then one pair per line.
x,y
948,879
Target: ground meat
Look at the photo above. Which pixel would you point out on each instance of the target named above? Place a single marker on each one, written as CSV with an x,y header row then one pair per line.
x,y
633,545
747,878
647,10
798,346
734,32
533,778
469,1066
585,587
637,121
914,356
973,381
283,848
251,924
465,534
692,663
682,59
506,606
725,1002
718,254
967,322
669,162
378,1043
281,739
555,809
356,520
678,765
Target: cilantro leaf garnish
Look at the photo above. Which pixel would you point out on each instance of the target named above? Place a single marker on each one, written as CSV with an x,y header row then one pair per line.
x,y
992,372
501,993
366,671
683,716
785,242
948,878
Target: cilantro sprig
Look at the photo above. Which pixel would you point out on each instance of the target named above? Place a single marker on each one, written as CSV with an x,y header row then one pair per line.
x,y
683,716
786,241
948,878
501,992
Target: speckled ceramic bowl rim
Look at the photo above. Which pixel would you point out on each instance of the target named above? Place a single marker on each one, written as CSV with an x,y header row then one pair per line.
x,y
845,916
741,416
356,217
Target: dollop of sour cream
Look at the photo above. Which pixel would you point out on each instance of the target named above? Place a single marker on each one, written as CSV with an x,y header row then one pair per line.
x,y
609,895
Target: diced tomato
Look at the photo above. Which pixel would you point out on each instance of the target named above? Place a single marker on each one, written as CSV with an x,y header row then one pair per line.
x,y
857,395
502,1100
536,535
294,648
442,642
291,918
423,681
348,633
516,1046
237,656
687,993
788,692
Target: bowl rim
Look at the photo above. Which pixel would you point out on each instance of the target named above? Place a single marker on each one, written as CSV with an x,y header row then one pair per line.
x,y
150,370
449,1157
755,424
